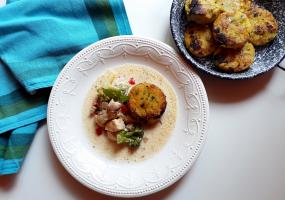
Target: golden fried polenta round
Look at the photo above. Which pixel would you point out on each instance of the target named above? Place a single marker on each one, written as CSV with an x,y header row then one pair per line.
x,y
199,40
246,5
231,30
187,6
235,60
229,5
202,11
264,26
146,101
234,5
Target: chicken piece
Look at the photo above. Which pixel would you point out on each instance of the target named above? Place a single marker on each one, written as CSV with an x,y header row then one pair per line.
x,y
115,125
126,118
101,118
114,106
104,105
111,136
130,127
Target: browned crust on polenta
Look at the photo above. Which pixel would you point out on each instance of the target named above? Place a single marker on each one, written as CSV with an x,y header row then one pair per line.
x,y
202,11
199,40
146,101
264,26
197,8
231,30
235,60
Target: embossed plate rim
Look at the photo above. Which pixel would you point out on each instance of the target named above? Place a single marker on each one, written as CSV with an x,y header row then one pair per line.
x,y
186,164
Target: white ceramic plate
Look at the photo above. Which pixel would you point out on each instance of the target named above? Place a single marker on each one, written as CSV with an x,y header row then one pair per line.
x,y
72,144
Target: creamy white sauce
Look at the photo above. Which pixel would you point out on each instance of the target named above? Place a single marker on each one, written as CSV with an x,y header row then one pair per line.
x,y
155,136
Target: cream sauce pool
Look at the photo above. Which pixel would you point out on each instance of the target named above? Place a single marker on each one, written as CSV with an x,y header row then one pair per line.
x,y
155,136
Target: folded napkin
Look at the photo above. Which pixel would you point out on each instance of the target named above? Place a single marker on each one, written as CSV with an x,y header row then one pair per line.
x,y
37,38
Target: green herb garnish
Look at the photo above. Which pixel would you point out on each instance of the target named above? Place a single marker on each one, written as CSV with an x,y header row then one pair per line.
x,y
107,94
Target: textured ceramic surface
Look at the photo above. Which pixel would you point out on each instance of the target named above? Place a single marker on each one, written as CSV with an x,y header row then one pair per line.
x,y
266,58
121,178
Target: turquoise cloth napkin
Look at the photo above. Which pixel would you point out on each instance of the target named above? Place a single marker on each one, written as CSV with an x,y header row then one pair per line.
x,y
37,38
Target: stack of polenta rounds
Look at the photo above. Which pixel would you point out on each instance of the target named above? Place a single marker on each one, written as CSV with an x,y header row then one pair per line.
x,y
229,30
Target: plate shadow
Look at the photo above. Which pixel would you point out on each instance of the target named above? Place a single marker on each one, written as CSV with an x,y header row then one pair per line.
x,y
233,91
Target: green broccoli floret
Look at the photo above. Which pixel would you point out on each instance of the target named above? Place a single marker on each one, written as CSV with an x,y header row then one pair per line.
x,y
132,138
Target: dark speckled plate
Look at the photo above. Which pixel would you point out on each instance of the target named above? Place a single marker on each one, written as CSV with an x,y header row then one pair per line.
x,y
266,58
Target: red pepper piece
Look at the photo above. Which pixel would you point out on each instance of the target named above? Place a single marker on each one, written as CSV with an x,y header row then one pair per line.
x,y
132,81
99,130
124,109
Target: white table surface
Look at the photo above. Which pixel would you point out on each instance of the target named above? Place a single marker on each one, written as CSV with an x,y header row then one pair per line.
x,y
243,157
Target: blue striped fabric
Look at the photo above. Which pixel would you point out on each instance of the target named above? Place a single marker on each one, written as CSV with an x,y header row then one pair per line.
x,y
37,38
14,146
17,107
